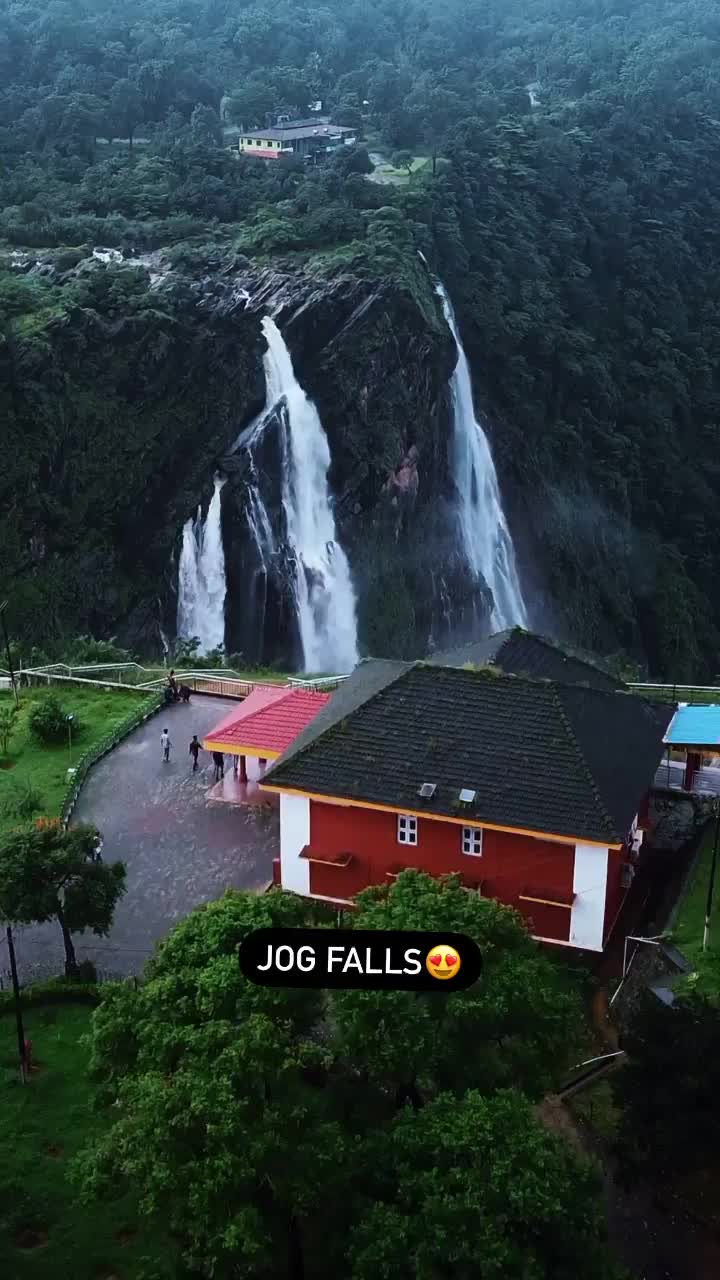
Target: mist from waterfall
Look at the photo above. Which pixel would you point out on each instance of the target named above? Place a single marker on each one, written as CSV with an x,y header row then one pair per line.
x,y
202,588
484,532
322,584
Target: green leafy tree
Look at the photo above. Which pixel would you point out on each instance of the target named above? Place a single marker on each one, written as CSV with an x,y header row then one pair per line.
x,y
476,1187
519,1025
205,127
216,1118
49,720
85,650
186,650
8,724
403,160
50,874
239,1112
21,800
126,109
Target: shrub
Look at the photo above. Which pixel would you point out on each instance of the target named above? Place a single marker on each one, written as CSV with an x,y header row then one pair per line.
x,y
403,160
8,717
22,800
49,720
54,991
84,650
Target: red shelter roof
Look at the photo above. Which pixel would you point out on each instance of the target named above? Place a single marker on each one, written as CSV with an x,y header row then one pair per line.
x,y
266,723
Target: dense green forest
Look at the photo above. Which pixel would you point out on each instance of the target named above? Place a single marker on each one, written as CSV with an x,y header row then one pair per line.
x,y
569,202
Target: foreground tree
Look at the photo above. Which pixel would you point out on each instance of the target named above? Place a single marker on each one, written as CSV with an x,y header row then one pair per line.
x,y
50,874
476,1189
218,1119
520,1025
239,1112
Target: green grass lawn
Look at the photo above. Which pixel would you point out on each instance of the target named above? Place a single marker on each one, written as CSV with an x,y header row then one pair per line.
x,y
45,767
688,931
44,1231
401,176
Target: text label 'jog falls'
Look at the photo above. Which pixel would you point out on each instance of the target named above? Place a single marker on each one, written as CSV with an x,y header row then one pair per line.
x,y
388,960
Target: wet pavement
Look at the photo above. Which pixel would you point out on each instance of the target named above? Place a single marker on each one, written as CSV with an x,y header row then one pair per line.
x,y
180,848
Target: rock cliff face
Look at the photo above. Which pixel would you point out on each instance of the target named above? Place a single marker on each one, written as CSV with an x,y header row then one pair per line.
x,y
376,364
114,415
121,414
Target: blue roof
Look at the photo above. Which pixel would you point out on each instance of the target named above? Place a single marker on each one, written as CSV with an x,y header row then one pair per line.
x,y
694,727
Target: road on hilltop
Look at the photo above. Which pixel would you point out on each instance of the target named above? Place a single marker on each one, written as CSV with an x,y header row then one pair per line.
x,y
180,850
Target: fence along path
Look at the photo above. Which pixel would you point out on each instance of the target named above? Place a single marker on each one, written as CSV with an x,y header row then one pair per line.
x,y
222,682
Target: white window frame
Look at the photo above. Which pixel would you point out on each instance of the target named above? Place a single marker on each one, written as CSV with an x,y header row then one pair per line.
x,y
471,841
407,829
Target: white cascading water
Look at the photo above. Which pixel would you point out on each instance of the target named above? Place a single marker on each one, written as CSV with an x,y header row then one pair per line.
x,y
202,588
484,531
324,594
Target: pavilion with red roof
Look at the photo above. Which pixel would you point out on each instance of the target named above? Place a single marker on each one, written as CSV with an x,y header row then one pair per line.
x,y
265,724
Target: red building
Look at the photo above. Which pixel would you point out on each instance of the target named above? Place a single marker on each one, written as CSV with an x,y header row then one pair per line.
x,y
529,789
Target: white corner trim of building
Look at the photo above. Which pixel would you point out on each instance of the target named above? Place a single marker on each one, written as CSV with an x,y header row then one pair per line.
x,y
590,889
294,836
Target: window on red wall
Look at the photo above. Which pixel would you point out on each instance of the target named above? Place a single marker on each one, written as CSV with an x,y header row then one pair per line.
x,y
407,831
472,841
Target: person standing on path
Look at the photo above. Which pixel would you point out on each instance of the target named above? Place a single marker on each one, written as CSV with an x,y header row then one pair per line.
x,y
165,744
219,762
194,750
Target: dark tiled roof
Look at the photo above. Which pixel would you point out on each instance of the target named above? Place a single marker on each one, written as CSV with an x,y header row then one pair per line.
x,y
297,129
521,653
369,677
541,756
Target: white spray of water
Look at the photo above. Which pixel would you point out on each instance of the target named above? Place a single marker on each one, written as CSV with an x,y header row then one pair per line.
x,y
484,531
324,594
202,588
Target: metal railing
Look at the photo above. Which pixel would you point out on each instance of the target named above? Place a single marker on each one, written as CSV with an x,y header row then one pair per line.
x,y
702,694
317,685
220,681
127,674
591,1071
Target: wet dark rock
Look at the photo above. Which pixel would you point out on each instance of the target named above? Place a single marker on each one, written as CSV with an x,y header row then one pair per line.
x,y
127,414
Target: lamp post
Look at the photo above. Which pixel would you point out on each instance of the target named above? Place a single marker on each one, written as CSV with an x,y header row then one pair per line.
x,y
3,607
70,719
711,882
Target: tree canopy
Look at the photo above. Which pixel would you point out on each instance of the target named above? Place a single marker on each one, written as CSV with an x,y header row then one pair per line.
x,y
240,1113
47,873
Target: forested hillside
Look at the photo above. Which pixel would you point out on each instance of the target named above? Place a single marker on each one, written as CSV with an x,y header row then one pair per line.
x,y
569,202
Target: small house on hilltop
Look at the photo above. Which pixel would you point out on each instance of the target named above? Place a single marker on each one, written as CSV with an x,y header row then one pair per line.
x,y
303,138
529,789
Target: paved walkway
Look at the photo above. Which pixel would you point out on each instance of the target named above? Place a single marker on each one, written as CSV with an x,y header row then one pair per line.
x,y
180,848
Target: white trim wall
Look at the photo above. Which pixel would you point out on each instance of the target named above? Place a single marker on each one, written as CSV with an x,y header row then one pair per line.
x,y
587,918
294,836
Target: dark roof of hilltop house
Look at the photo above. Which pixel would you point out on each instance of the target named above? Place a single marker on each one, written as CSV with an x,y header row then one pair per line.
x,y
521,653
296,129
541,756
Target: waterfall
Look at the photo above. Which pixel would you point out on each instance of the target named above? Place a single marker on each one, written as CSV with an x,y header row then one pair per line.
x,y
484,531
322,584
201,594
